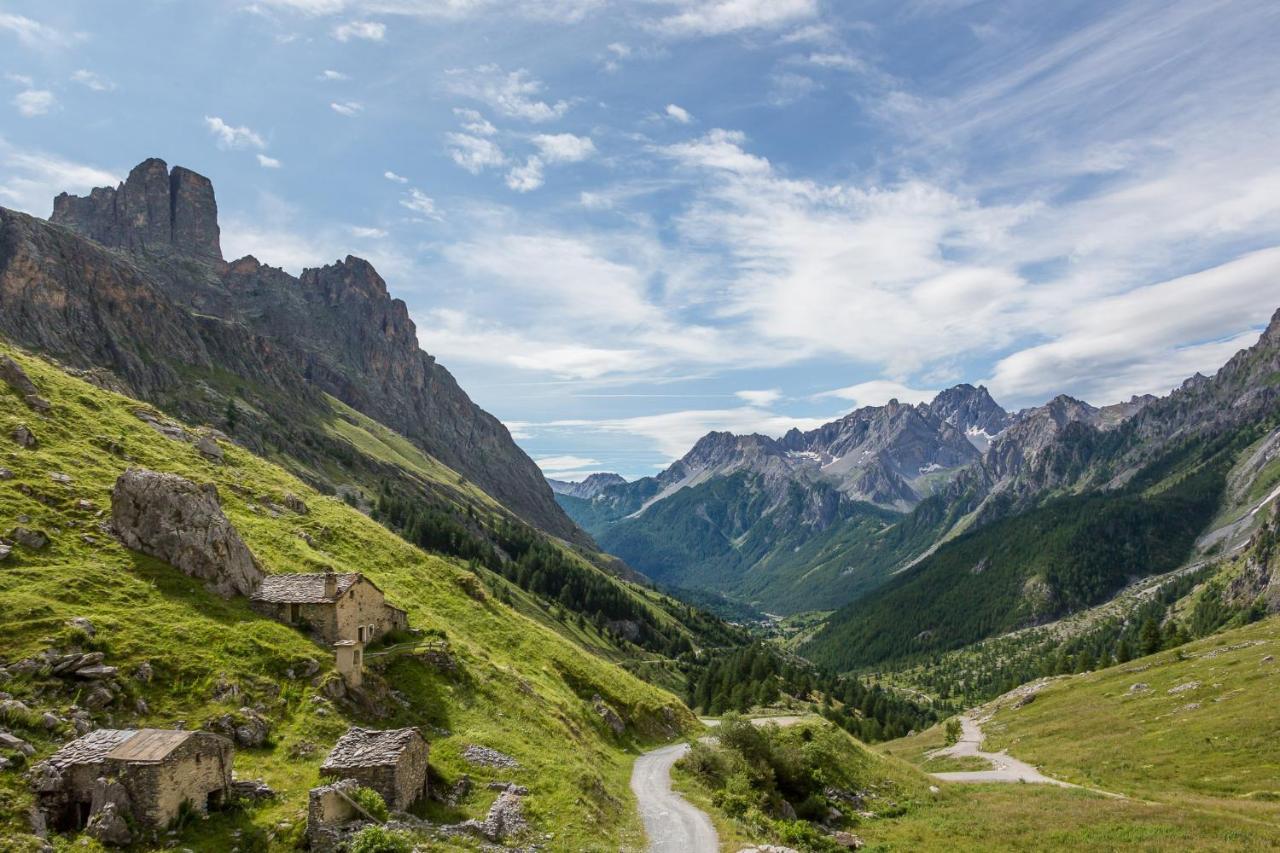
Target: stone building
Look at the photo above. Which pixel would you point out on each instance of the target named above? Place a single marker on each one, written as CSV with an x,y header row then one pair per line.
x,y
146,774
333,607
392,762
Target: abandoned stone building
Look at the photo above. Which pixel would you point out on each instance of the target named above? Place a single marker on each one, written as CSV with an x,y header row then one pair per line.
x,y
392,762
333,607
142,776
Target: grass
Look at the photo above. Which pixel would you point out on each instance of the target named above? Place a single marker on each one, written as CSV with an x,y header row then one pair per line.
x,y
1211,745
520,687
1193,778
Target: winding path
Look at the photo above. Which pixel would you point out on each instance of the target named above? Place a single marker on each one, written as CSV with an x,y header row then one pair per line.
x,y
1004,767
671,823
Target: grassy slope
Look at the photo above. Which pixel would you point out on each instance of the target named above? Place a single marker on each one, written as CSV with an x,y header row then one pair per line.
x,y
1201,779
520,688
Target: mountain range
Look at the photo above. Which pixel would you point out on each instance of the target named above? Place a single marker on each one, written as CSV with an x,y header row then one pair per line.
x,y
868,513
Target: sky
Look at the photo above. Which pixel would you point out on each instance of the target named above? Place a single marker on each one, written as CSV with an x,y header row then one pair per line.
x,y
622,225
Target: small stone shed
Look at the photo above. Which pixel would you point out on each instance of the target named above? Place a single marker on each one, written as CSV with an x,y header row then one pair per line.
x,y
148,773
392,762
332,606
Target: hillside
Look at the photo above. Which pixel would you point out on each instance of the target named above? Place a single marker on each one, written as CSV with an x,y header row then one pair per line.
x,y
489,677
131,281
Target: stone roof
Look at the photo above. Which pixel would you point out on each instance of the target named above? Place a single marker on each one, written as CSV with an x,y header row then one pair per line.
x,y
370,748
91,748
150,745
302,589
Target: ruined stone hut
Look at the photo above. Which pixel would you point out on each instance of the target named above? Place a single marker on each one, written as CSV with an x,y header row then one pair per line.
x,y
333,607
148,773
392,762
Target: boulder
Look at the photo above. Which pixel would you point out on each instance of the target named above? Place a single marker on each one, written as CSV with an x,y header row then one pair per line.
x,y
486,757
251,789
182,523
109,826
15,743
610,716
5,550
24,437
295,503
209,448
16,378
247,727
83,624
5,473
27,538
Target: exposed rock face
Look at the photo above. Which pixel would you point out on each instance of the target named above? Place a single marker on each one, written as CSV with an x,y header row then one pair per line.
x,y
154,210
177,521
16,378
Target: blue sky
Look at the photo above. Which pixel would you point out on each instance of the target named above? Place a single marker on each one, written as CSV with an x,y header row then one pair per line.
x,y
623,224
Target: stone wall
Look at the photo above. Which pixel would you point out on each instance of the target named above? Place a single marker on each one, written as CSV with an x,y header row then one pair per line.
x,y
381,779
194,770
364,605
411,776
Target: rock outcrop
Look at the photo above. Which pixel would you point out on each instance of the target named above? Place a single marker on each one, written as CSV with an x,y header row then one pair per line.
x,y
154,210
175,520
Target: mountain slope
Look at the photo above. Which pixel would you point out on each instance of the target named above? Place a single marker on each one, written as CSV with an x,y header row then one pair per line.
x,y
155,305
493,677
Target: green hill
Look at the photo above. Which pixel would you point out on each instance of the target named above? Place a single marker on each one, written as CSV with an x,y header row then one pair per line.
x,y
504,680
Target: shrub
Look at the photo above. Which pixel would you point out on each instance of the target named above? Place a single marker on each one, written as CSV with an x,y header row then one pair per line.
x,y
379,839
954,730
371,801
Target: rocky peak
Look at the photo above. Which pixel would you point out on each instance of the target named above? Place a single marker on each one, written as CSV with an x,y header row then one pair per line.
x,y
587,489
153,210
970,409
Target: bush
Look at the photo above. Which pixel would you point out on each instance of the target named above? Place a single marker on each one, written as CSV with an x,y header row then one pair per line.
x,y
371,801
954,730
379,839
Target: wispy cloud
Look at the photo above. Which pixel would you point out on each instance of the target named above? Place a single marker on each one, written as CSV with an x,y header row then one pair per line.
x,y
474,153
678,113
394,178
34,34
35,102
30,178
92,80
514,94
347,108
718,17
330,74
232,136
420,203
364,30
268,162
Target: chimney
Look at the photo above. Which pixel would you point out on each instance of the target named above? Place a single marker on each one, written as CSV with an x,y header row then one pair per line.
x,y
330,585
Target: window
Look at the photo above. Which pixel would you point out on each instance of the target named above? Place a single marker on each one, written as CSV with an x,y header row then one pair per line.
x,y
295,612
360,633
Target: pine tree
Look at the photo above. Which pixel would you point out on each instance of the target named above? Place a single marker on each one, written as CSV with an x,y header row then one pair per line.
x,y
1149,638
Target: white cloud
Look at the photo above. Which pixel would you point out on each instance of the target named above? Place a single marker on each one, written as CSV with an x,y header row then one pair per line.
x,y
877,392
761,399
838,61
92,80
526,177
678,113
347,108
21,79
366,30
788,87
367,233
29,179
718,17
564,147
558,11
35,102
229,136
329,74
673,433
567,466
420,203
394,178
1148,339
34,34
268,162
474,153
475,123
513,94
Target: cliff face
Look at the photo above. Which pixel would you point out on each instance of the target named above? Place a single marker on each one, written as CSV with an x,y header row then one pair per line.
x,y
150,315
154,210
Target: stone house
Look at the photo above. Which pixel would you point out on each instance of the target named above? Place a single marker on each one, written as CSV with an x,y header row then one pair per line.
x,y
333,607
392,762
146,773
